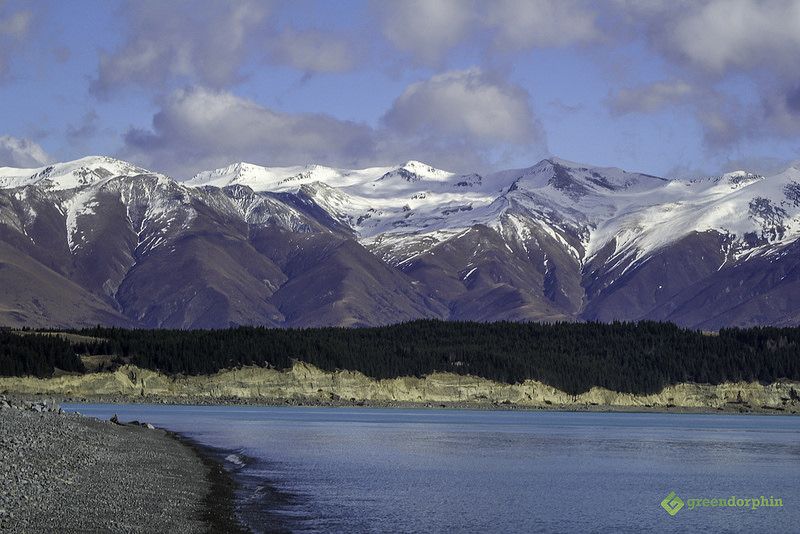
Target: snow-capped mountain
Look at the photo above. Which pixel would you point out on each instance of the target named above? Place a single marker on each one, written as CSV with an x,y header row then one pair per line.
x,y
102,240
638,212
68,175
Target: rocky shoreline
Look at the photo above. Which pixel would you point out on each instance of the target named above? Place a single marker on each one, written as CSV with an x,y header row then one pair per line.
x,y
64,472
742,408
733,408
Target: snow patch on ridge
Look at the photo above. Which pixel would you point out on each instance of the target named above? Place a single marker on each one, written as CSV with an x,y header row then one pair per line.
x,y
79,205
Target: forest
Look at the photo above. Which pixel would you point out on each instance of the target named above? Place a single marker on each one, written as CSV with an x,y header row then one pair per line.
x,y
24,353
640,357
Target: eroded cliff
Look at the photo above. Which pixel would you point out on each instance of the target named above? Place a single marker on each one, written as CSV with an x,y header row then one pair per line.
x,y
306,383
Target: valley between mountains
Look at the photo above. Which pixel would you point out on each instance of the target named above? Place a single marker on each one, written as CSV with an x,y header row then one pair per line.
x,y
102,241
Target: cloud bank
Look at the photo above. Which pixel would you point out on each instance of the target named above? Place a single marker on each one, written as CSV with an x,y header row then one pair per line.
x,y
458,120
727,65
15,152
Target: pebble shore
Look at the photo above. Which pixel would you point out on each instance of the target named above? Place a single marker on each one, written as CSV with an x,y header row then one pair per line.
x,y
68,473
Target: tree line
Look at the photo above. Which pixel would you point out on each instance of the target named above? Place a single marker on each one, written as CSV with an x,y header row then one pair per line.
x,y
28,354
640,357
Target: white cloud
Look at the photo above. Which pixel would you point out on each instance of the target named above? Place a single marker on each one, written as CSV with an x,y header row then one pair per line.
x,y
211,43
711,42
201,128
312,51
649,98
779,112
541,23
426,29
459,120
721,128
466,105
205,41
429,29
718,35
16,152
85,129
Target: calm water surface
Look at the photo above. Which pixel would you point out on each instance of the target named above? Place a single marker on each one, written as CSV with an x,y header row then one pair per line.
x,y
392,470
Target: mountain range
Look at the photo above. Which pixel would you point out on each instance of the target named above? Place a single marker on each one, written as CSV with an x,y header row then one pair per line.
x,y
103,241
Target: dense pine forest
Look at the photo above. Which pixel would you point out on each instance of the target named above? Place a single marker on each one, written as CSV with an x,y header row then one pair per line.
x,y
632,357
24,354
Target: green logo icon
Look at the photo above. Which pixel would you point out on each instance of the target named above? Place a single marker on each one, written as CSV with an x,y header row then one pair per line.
x,y
672,503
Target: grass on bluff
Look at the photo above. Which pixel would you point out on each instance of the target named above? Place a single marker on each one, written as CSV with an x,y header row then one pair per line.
x,y
641,357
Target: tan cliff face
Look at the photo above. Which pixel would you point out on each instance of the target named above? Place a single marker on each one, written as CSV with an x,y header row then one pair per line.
x,y
304,382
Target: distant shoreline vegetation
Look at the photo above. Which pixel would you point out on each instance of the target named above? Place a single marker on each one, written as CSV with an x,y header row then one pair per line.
x,y
638,358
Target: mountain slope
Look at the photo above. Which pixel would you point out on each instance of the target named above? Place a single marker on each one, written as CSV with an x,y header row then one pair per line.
x,y
152,252
315,245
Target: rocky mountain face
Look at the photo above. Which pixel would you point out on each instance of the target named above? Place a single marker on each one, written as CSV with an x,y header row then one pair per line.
x,y
101,241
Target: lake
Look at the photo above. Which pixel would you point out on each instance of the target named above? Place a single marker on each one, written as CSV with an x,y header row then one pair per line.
x,y
426,470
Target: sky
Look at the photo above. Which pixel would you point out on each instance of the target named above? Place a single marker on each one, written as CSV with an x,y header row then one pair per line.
x,y
673,88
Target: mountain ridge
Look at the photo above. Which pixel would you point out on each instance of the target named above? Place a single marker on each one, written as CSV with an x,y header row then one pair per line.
x,y
316,245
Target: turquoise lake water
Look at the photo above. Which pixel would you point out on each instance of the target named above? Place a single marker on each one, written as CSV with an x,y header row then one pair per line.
x,y
394,470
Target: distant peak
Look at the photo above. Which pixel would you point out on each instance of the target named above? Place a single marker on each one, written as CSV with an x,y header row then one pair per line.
x,y
238,166
108,162
414,164
568,164
70,174
740,178
734,178
233,171
414,171
243,166
577,180
554,160
553,165
101,159
740,174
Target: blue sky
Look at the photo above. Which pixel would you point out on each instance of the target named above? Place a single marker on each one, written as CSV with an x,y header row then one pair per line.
x,y
672,88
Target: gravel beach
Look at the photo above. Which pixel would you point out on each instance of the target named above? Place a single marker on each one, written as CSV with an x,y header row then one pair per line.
x,y
67,473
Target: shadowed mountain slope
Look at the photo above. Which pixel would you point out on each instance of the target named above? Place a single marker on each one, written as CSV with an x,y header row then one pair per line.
x,y
99,240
